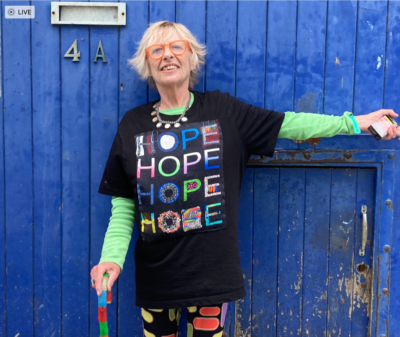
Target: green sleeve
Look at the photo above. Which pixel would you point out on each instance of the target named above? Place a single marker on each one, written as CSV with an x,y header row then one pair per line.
x,y
119,232
302,126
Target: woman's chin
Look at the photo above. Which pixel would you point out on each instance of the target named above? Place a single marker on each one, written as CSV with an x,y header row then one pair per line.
x,y
170,81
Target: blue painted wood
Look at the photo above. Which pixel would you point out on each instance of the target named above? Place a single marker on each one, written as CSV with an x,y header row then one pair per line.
x,y
363,278
340,57
75,110
265,251
245,233
394,324
250,72
290,251
104,90
46,121
3,304
251,53
221,46
392,100
341,246
195,23
310,56
316,243
19,195
382,257
133,92
234,34
160,11
281,55
370,56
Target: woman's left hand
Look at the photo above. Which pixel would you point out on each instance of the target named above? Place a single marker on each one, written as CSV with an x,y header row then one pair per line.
x,y
364,121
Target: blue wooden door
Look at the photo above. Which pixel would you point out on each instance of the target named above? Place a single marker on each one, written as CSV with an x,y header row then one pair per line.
x,y
300,240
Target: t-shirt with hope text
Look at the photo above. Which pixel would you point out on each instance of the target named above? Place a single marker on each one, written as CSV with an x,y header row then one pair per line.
x,y
186,185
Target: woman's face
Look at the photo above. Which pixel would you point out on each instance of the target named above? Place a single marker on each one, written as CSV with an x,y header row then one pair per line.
x,y
179,74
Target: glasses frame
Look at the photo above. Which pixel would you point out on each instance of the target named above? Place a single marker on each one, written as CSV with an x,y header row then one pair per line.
x,y
187,46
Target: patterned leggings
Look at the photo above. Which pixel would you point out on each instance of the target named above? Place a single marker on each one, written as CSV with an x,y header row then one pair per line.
x,y
206,321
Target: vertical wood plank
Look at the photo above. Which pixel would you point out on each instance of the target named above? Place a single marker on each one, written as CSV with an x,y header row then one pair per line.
x,y
392,101
340,57
75,109
310,58
160,11
104,91
47,172
281,56
316,243
341,251
362,275
18,173
250,59
265,251
245,233
370,56
290,263
251,37
195,23
133,92
3,320
221,46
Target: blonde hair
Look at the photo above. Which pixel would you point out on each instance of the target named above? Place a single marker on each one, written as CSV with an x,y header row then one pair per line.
x,y
162,31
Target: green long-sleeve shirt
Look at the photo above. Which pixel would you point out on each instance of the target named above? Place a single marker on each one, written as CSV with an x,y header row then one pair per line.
x,y
299,126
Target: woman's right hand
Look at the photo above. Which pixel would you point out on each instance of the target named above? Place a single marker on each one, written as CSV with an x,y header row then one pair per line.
x,y
111,268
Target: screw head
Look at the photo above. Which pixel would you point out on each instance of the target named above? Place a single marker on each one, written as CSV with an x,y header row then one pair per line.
x,y
388,202
386,248
307,155
385,291
391,155
348,155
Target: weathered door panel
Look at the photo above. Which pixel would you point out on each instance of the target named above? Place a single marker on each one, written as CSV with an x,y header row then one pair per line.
x,y
308,277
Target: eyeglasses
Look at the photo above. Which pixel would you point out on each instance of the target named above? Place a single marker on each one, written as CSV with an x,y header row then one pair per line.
x,y
177,48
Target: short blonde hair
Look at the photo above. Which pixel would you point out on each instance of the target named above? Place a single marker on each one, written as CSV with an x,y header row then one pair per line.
x,y
162,31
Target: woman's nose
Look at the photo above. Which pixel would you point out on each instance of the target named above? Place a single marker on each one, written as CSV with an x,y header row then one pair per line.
x,y
168,52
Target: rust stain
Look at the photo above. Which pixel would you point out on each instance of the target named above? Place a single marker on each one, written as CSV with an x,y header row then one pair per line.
x,y
293,159
313,141
378,297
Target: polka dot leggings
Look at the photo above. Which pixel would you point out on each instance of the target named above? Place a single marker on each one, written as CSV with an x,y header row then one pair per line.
x,y
205,321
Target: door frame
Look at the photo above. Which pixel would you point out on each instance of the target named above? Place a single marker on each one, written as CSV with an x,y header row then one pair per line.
x,y
384,163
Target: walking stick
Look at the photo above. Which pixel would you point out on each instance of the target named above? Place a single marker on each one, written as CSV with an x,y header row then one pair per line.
x,y
104,299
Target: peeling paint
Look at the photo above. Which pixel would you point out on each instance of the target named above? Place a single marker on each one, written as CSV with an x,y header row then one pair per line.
x,y
362,290
379,60
338,62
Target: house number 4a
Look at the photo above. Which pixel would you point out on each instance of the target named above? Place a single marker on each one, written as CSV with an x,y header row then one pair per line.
x,y
75,54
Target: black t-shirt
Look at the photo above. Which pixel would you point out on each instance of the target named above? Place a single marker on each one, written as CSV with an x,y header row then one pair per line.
x,y
186,184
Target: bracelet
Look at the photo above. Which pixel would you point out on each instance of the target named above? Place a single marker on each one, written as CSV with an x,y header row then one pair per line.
x,y
355,124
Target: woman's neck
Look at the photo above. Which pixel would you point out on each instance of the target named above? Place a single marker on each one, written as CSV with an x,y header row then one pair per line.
x,y
173,97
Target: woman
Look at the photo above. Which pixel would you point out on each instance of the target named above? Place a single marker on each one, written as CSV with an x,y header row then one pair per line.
x,y
176,168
